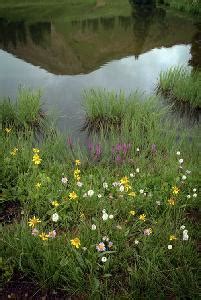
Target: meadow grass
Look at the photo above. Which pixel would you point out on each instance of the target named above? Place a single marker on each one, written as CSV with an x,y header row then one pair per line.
x,y
103,225
181,85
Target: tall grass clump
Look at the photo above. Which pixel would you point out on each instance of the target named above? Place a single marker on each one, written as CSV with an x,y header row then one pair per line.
x,y
190,6
25,113
181,85
108,109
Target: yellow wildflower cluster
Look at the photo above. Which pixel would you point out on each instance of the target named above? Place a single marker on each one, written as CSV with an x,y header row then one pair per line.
x,y
38,185
33,221
75,242
77,174
125,182
175,190
8,130
172,238
44,236
55,203
73,196
36,158
14,151
142,217
171,201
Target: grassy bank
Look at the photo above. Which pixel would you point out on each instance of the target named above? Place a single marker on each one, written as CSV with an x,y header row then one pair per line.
x,y
182,86
62,10
190,6
105,220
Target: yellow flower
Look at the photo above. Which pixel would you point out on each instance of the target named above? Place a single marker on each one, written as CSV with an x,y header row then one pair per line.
x,y
124,180
43,236
82,216
172,238
127,188
14,152
73,196
38,185
77,162
132,212
8,130
36,150
77,174
175,190
75,242
132,194
36,159
171,201
34,221
142,217
55,203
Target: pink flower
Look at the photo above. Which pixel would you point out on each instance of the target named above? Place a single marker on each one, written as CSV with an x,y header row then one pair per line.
x,y
52,234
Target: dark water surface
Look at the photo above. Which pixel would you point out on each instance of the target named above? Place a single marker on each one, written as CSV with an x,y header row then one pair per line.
x,y
64,57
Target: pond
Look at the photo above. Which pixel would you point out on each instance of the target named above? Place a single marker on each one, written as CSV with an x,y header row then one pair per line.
x,y
64,56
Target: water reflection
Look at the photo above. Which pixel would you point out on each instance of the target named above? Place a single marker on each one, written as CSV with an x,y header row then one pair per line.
x,y
117,53
81,46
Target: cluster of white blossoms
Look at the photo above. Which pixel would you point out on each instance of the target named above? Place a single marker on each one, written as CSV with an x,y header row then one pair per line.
x,y
185,233
55,217
105,185
105,215
194,194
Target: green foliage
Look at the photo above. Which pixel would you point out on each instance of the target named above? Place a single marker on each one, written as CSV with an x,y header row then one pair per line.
x,y
181,86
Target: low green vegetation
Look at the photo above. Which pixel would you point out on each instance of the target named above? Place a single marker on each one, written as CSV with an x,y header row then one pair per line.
x,y
190,6
181,85
112,219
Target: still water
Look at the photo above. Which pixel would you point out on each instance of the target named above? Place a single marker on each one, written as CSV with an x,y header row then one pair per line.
x,y
63,58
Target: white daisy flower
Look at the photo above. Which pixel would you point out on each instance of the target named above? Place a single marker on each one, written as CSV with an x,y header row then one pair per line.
x,y
188,172
169,247
137,170
137,149
158,202
185,235
182,227
194,195
181,160
132,175
178,153
136,242
105,185
64,180
104,259
184,177
194,190
188,196
93,227
105,216
79,184
111,217
141,191
90,193
99,195
121,189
